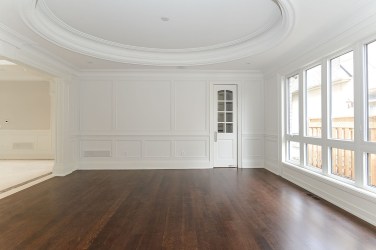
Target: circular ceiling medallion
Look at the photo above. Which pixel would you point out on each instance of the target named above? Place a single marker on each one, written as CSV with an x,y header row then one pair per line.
x,y
165,33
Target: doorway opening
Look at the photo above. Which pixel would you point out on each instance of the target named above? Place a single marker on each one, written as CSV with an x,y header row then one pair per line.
x,y
27,125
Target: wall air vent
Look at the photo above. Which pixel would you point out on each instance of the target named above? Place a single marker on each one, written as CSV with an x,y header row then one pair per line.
x,y
97,153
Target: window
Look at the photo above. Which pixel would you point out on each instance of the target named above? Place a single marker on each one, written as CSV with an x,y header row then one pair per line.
x,y
327,144
313,101
293,90
343,163
371,170
314,156
294,152
342,97
371,82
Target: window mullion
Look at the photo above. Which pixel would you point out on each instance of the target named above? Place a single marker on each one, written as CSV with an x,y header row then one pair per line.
x,y
360,114
325,114
302,105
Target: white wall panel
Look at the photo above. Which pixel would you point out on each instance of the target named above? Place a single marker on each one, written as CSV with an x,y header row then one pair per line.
x,y
271,147
25,144
128,149
253,147
96,106
157,149
143,106
96,148
44,143
271,105
191,105
142,118
253,108
191,148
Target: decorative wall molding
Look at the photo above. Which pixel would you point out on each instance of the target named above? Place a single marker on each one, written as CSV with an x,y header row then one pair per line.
x,y
271,137
144,148
26,144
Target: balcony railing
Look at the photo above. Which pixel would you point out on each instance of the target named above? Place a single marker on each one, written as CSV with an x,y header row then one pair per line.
x,y
342,160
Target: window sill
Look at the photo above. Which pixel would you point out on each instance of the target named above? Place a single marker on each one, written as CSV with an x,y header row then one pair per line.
x,y
360,192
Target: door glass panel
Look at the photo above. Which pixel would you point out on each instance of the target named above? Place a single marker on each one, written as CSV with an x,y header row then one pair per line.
x,y
228,95
221,95
221,117
221,106
228,106
221,127
229,129
228,117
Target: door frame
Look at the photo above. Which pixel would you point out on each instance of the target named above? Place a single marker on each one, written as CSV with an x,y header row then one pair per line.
x,y
239,121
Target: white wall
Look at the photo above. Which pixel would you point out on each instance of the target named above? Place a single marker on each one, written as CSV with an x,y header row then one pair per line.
x,y
162,120
26,106
272,106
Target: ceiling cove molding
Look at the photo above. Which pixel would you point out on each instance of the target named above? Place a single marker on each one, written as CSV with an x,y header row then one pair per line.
x,y
20,49
41,19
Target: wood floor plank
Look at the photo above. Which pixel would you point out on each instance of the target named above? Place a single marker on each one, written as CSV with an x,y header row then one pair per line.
x,y
176,209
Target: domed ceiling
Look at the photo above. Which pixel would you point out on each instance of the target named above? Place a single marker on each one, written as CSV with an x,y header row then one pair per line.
x,y
162,33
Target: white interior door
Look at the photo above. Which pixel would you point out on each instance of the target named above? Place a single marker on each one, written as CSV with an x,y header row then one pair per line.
x,y
225,126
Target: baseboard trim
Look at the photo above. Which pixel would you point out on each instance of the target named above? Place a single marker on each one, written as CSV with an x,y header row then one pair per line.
x,y
63,169
272,166
143,165
25,186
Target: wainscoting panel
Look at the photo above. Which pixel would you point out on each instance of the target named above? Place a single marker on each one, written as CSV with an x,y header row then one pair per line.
x,y
253,150
191,148
25,144
157,149
137,120
128,149
271,153
96,149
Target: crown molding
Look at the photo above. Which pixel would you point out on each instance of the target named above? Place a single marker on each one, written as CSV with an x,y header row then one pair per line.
x,y
167,74
21,49
46,24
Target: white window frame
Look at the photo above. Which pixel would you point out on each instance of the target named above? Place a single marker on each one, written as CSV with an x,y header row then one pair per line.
x,y
361,146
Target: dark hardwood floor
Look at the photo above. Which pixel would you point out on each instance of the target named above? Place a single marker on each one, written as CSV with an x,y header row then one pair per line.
x,y
176,209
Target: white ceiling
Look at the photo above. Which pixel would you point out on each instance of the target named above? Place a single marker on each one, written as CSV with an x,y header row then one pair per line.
x,y
192,24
